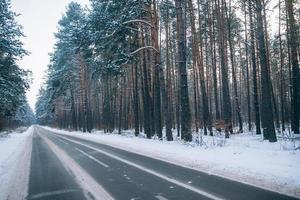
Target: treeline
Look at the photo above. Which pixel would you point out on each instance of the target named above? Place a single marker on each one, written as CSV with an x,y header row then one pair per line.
x,y
14,81
179,65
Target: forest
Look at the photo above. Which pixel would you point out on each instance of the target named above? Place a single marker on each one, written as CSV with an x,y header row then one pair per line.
x,y
185,66
14,80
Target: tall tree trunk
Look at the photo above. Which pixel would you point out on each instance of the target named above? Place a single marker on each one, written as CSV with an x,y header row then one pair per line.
x,y
231,47
120,110
282,82
247,70
136,99
146,97
74,120
156,64
267,113
165,90
254,71
273,98
185,114
214,64
199,61
293,42
227,112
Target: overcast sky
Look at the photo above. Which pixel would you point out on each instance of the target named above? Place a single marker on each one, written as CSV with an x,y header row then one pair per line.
x,y
39,19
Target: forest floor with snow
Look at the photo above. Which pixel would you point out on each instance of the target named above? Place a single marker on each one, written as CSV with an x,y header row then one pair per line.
x,y
244,157
13,145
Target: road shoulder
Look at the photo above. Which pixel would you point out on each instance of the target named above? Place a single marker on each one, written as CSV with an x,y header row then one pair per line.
x,y
15,152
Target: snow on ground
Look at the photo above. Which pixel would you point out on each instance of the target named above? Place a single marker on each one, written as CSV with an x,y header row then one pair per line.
x,y
11,148
243,157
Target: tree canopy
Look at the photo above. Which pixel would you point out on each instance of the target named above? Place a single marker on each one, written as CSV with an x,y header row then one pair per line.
x,y
14,81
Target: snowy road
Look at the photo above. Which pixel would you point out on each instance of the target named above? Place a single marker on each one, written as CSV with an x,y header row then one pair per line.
x,y
65,167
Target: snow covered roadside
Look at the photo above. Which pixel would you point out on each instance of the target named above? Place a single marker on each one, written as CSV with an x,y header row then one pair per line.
x,y
13,151
245,157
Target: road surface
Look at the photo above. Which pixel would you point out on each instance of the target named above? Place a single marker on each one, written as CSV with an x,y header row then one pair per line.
x,y
66,167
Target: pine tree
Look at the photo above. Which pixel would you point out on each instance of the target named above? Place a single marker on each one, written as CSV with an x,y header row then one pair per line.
x,y
14,81
266,106
150,65
294,45
185,114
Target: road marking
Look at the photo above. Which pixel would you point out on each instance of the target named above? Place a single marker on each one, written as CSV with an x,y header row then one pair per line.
x,y
92,158
47,194
159,197
150,171
62,141
91,188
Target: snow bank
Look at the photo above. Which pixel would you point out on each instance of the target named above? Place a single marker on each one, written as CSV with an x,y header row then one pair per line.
x,y
244,157
11,148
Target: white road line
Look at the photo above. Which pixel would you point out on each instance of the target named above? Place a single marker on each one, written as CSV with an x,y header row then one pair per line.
x,y
52,193
150,171
62,141
159,197
91,188
92,158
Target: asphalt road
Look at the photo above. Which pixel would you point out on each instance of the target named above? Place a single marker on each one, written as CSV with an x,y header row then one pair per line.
x,y
48,177
123,175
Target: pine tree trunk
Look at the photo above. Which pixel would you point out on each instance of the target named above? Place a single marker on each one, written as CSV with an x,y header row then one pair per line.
x,y
266,106
165,90
293,43
74,120
254,71
146,96
120,112
282,82
231,47
247,71
198,58
274,102
136,99
185,113
227,112
214,66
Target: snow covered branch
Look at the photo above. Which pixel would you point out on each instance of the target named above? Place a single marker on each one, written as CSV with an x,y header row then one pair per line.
x,y
138,21
142,48
110,35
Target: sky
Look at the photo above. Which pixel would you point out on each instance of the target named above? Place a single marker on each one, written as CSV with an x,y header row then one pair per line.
x,y
39,19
